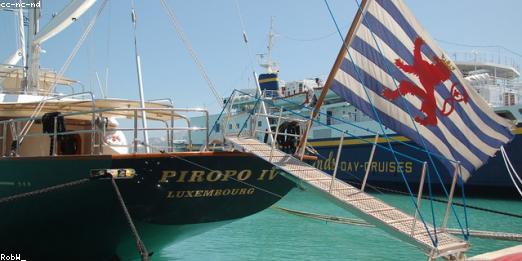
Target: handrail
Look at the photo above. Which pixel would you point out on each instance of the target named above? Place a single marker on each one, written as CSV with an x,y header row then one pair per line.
x,y
97,113
344,132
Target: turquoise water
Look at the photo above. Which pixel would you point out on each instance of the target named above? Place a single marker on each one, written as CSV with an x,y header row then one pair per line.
x,y
276,235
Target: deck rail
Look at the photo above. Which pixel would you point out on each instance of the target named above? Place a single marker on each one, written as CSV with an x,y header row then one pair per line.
x,y
99,128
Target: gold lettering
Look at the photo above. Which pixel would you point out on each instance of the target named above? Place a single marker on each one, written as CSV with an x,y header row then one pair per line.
x,y
214,175
263,174
374,166
409,167
210,193
329,162
349,167
401,166
356,165
381,166
228,174
393,167
182,176
197,176
319,164
167,174
244,174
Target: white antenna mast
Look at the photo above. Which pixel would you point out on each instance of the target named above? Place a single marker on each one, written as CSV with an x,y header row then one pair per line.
x,y
269,65
21,34
140,81
33,54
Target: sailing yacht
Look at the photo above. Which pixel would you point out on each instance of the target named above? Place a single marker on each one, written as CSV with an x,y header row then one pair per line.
x,y
73,186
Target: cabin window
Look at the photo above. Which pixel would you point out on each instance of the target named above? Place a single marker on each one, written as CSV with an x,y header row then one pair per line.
x,y
237,125
328,117
230,126
509,99
259,124
218,126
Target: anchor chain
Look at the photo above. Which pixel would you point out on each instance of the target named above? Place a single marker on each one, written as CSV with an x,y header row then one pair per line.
x,y
44,190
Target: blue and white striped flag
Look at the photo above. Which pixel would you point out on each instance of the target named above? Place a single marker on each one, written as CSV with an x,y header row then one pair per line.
x,y
404,71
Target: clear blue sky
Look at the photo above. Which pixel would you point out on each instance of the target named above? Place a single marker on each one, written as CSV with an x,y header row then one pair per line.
x,y
306,45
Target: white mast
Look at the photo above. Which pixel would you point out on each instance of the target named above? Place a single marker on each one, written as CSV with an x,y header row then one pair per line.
x,y
270,65
36,37
33,54
140,81
21,38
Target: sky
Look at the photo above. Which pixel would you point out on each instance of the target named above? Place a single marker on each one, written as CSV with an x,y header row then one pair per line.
x,y
305,46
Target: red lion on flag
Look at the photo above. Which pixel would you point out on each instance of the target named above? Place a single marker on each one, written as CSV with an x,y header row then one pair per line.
x,y
430,76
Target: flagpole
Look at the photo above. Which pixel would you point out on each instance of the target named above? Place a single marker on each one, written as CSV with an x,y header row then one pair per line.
x,y
347,41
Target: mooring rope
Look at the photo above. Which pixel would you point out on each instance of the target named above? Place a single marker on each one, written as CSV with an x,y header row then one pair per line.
x,y
505,236
144,254
511,170
44,190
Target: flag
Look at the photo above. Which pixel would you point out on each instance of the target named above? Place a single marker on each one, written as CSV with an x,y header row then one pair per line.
x,y
393,63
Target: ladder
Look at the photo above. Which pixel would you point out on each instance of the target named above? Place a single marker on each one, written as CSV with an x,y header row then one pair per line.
x,y
371,209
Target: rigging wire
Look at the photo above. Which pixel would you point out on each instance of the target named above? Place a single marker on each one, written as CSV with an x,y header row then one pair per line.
x,y
60,73
480,46
108,54
190,49
245,36
308,39
510,168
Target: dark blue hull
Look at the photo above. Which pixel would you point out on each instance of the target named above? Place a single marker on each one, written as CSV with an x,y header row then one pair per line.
x,y
491,180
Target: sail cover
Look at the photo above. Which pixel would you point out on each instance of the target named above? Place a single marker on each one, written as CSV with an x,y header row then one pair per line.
x,y
395,65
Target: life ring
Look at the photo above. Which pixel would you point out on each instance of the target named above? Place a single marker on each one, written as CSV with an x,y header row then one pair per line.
x,y
287,143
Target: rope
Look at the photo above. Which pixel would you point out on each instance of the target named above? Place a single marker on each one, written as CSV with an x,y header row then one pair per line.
x,y
510,168
511,165
139,244
191,51
60,74
44,190
481,46
359,222
308,39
